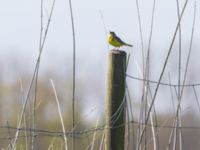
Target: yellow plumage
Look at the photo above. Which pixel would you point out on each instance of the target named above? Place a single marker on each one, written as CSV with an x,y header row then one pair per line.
x,y
115,41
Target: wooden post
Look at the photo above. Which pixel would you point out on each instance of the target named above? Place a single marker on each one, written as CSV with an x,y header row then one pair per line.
x,y
115,114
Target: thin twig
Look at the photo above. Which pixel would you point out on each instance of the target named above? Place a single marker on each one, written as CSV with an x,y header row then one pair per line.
x,y
179,78
172,130
170,136
143,60
94,135
74,71
9,135
147,77
129,108
60,113
141,35
23,99
178,122
161,75
34,76
127,128
190,49
196,97
104,26
102,141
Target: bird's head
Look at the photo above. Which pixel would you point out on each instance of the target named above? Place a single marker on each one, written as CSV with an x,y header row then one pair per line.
x,y
112,33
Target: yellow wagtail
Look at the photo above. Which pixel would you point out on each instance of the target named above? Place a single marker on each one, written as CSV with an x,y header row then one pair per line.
x,y
115,41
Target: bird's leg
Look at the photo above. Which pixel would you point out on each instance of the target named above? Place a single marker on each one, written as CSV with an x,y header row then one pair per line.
x,y
118,48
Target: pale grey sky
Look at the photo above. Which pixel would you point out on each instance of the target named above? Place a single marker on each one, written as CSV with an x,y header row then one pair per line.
x,y
20,23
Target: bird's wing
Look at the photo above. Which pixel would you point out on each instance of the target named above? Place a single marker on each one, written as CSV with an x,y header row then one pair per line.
x,y
119,40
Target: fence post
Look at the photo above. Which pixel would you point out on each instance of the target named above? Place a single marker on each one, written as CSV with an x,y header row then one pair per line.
x,y
115,114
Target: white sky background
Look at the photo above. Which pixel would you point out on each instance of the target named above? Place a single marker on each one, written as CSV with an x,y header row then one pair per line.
x,y
20,29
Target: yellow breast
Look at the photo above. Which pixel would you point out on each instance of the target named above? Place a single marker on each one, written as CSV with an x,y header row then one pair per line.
x,y
112,41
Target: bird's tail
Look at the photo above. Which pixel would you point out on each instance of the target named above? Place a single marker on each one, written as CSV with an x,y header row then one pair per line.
x,y
128,45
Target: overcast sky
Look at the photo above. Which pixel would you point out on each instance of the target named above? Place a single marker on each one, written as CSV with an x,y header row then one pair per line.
x,y
20,23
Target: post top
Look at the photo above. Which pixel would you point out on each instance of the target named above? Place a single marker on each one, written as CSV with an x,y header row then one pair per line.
x,y
112,51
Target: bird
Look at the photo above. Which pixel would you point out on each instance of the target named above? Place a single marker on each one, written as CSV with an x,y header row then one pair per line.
x,y
115,41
